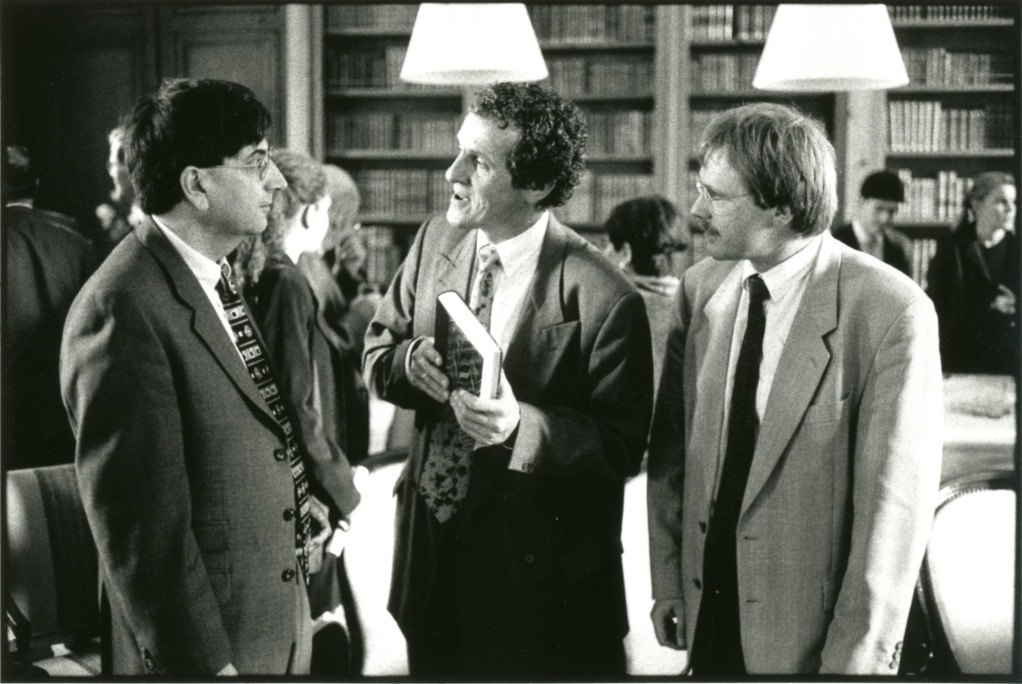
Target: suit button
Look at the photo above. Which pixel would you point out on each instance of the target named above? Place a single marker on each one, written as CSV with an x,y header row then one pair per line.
x,y
289,514
279,454
287,575
695,581
702,526
530,559
528,467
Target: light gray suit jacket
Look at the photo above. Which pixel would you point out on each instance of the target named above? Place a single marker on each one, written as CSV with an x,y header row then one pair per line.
x,y
844,478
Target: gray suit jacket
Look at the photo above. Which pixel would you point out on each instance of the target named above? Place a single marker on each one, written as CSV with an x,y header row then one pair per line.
x,y
181,469
580,366
844,478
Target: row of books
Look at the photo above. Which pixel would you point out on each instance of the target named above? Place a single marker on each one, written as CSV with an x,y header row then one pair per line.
x,y
420,131
383,255
947,12
597,194
600,75
723,73
402,191
594,23
699,120
731,22
387,17
941,67
378,66
938,198
627,132
927,126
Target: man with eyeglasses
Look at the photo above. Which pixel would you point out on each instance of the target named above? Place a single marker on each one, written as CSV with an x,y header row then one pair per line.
x,y
194,482
796,444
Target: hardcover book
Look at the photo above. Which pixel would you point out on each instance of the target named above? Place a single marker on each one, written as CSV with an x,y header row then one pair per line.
x,y
472,358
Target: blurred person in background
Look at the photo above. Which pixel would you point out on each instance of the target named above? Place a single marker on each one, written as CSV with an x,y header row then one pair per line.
x,y
303,350
872,230
973,280
122,214
641,233
47,262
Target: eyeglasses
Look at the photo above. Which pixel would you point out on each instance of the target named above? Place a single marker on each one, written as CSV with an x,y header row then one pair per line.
x,y
714,198
263,165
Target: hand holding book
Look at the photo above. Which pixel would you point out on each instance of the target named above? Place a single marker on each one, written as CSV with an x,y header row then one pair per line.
x,y
487,421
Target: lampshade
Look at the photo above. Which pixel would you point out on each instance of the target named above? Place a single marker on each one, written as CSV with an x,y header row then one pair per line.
x,y
830,47
473,44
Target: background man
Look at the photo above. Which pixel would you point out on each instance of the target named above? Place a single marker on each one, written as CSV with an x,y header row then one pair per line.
x,y
508,557
796,446
48,261
191,473
872,230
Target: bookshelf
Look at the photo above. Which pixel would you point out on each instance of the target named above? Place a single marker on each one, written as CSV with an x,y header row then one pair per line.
x,y
956,118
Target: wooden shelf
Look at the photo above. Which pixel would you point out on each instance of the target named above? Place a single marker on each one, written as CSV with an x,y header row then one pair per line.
x,y
583,45
394,93
955,154
398,220
733,43
754,94
622,98
952,24
610,158
368,33
951,90
390,155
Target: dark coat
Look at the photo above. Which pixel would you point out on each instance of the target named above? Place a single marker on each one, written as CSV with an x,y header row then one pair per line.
x,y
537,554
48,261
897,249
182,471
974,338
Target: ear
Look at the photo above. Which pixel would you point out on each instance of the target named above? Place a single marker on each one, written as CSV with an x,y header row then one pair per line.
x,y
192,186
782,215
305,216
537,195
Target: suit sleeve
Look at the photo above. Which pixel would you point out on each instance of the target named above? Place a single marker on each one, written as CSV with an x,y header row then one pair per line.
x,y
897,461
118,388
666,468
604,434
390,333
288,319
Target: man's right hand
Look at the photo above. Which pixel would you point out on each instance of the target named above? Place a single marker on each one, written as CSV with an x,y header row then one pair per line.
x,y
668,617
424,371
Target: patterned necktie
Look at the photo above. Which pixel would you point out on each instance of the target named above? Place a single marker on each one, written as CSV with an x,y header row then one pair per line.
x,y
445,475
255,360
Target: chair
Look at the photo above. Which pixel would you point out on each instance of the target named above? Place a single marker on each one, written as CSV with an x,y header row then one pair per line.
x,y
52,587
967,581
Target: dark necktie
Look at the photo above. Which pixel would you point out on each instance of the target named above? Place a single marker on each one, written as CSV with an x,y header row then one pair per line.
x,y
717,647
445,475
258,367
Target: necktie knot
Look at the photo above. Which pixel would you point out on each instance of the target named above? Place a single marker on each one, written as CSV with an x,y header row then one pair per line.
x,y
758,291
225,288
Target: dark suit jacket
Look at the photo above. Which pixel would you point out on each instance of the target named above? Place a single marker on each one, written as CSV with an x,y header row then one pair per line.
x,y
539,558
48,261
974,338
182,472
897,252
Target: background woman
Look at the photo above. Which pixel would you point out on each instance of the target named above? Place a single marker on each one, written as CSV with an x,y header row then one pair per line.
x,y
974,282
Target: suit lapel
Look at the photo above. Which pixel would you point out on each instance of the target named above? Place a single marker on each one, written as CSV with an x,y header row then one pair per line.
x,y
711,337
799,369
454,265
205,321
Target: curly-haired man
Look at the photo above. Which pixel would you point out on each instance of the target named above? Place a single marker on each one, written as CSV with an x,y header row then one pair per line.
x,y
508,551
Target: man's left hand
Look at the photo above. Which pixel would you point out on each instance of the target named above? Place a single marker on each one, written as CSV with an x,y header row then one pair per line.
x,y
487,421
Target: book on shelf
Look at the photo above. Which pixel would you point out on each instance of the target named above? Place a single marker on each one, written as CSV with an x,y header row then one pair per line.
x,y
472,358
593,23
731,22
383,255
937,199
941,13
923,250
598,193
379,16
931,126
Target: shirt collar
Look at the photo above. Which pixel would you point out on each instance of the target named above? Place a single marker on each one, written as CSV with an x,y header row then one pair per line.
x,y
785,276
517,251
205,269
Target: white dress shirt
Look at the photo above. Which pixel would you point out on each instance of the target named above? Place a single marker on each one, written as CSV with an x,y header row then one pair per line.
x,y
206,271
786,283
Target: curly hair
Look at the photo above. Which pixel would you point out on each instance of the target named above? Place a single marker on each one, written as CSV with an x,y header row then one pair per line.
x,y
552,142
647,225
306,184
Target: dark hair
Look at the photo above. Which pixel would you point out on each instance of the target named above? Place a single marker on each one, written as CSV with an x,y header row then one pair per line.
x,y
982,185
648,225
883,185
188,122
552,141
20,177
783,157
306,184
